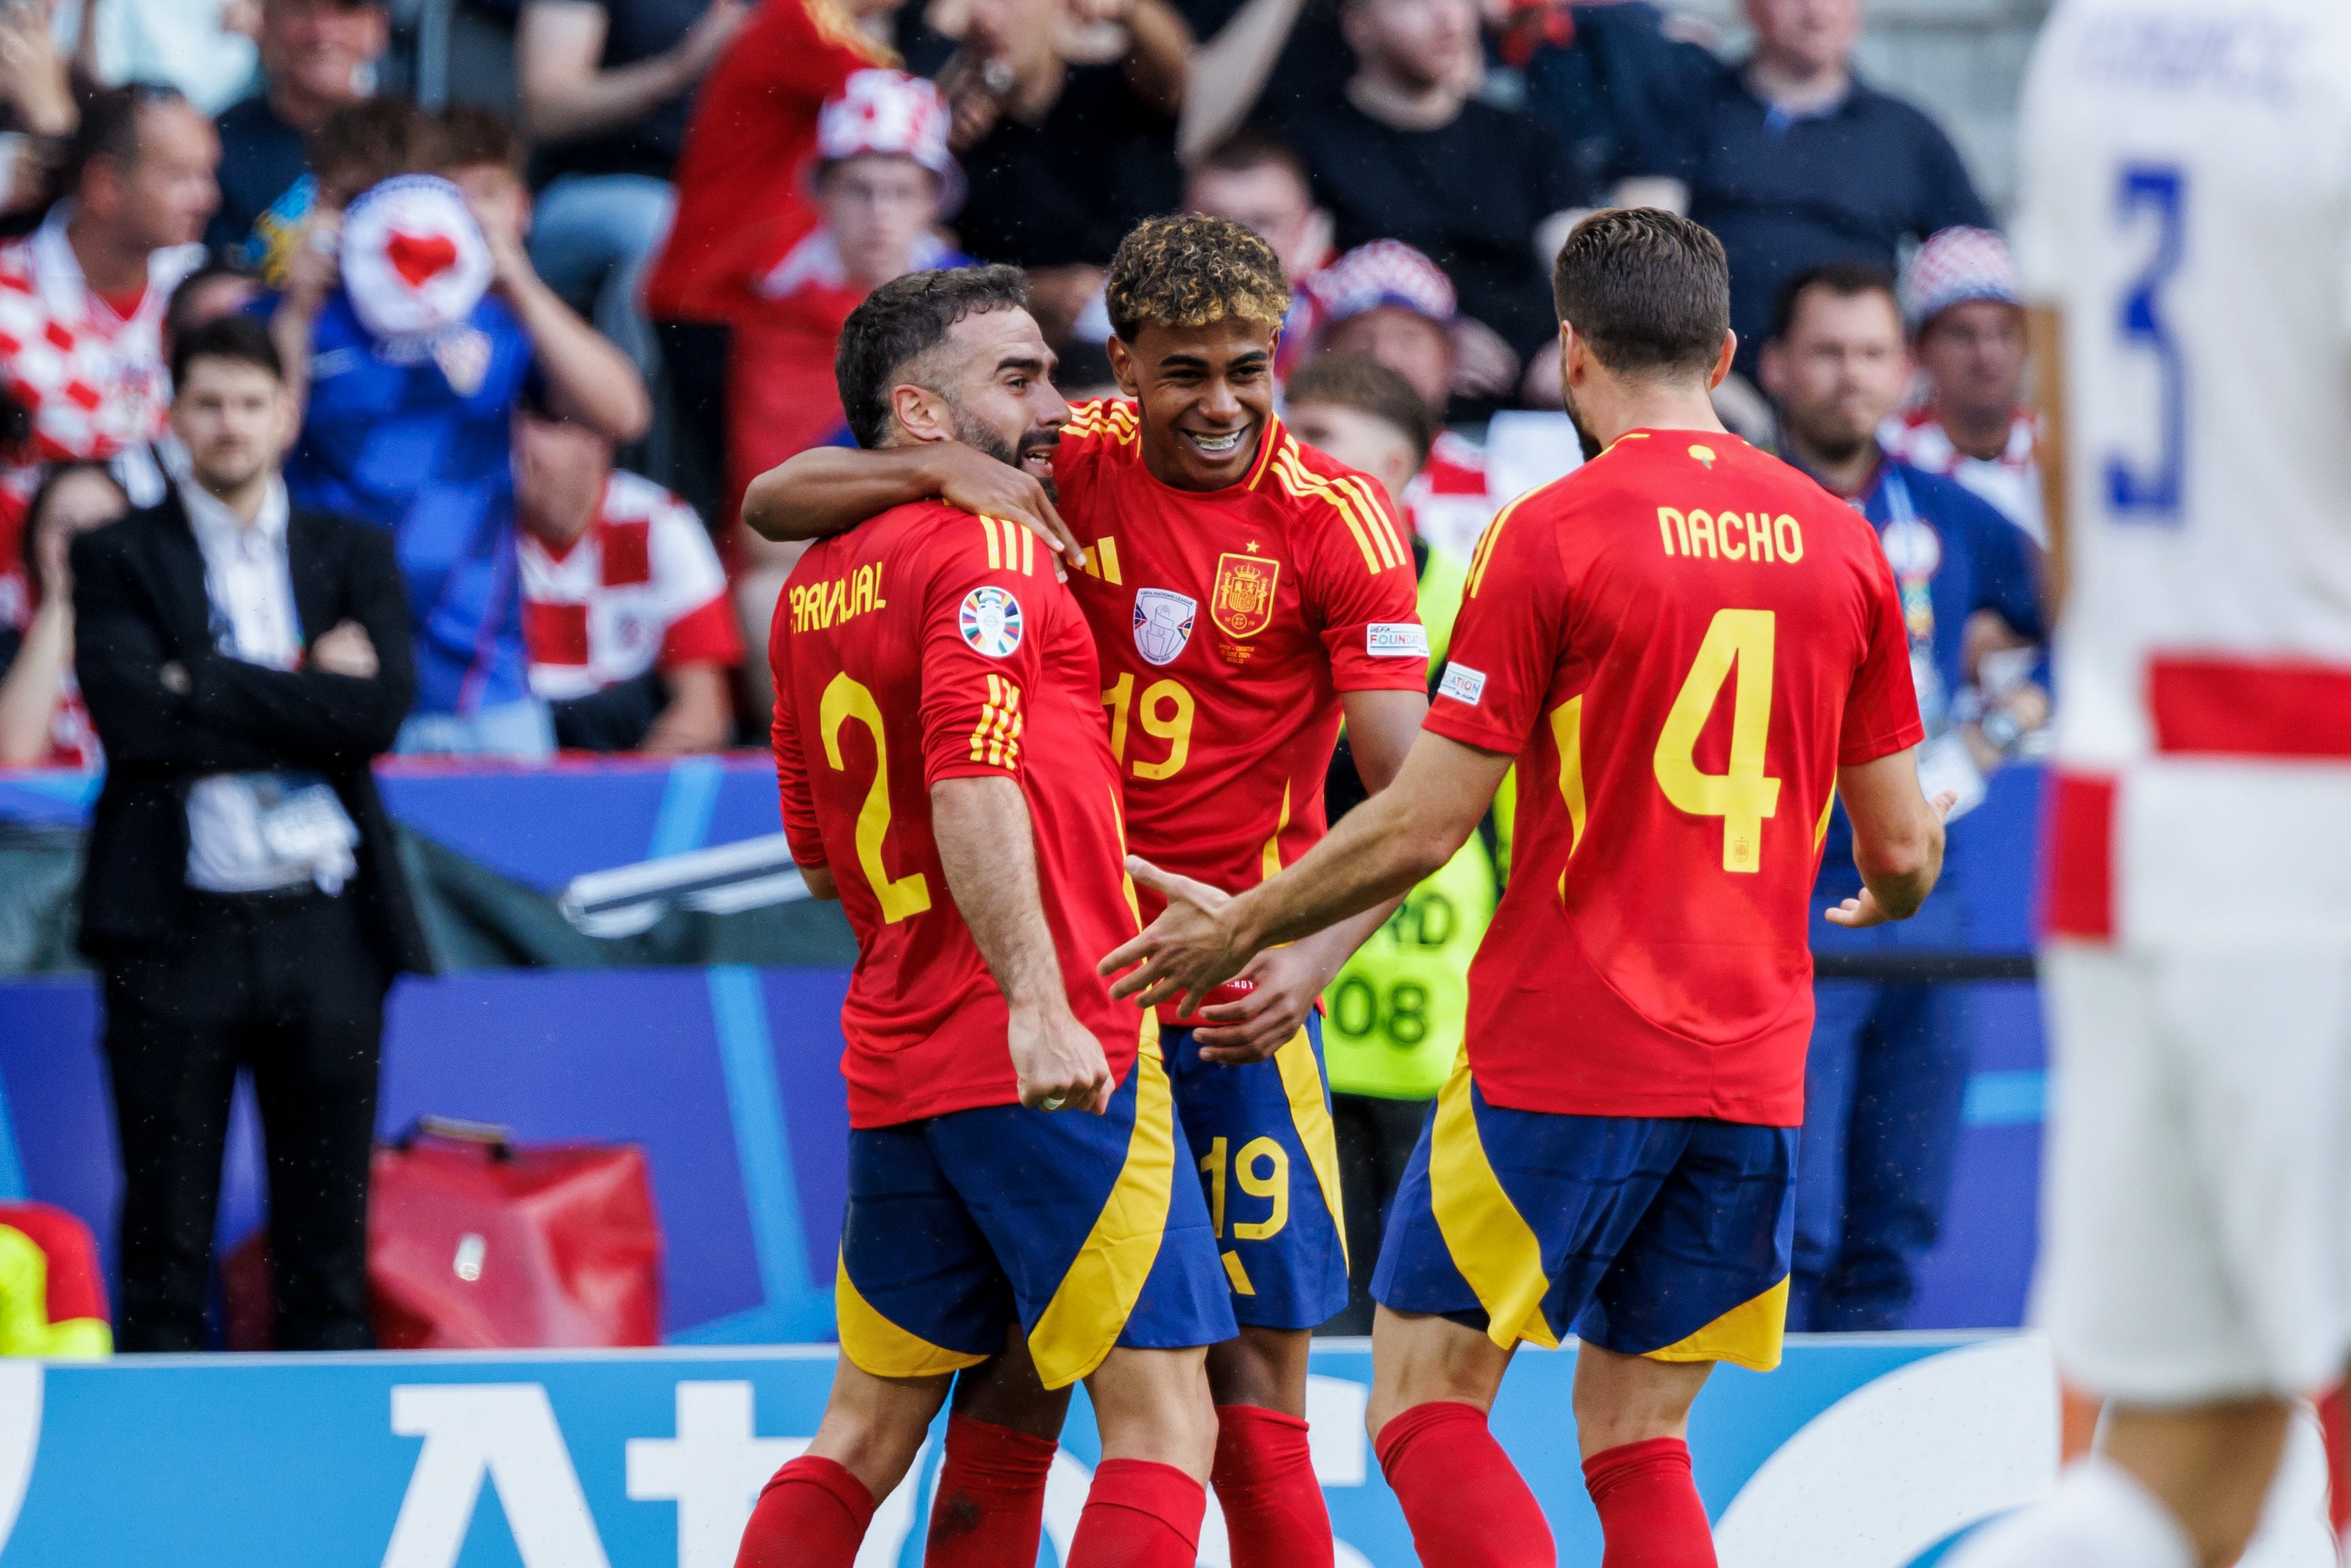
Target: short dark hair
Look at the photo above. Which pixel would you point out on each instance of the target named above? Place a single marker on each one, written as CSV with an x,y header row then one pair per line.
x,y
364,143
1844,279
239,338
1254,149
176,313
904,319
471,136
1361,383
1647,290
1192,270
108,127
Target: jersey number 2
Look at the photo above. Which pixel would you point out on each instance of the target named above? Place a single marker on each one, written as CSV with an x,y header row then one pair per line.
x,y
1737,645
845,700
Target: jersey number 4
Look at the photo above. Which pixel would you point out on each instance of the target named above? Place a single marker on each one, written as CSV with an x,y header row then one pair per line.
x,y
845,700
1738,648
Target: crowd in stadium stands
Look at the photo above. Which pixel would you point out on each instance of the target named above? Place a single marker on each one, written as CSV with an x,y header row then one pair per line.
x,y
544,346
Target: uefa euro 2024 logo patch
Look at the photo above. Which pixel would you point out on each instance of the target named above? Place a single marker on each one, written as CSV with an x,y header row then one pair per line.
x,y
991,621
1163,624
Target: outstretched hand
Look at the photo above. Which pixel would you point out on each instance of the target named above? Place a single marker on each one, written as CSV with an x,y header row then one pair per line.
x,y
1861,913
971,479
1188,952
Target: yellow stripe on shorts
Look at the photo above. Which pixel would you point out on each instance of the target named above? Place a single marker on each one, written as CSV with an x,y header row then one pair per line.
x,y
1311,1114
1749,1335
1490,1242
1090,1308
874,1344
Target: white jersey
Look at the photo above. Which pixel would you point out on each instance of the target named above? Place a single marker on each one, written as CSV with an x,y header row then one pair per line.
x,y
2186,202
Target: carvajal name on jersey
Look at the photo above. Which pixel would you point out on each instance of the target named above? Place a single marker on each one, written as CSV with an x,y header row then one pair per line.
x,y
820,605
1395,640
1730,535
1462,683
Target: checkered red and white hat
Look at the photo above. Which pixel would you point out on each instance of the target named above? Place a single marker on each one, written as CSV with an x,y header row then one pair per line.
x,y
414,262
1954,266
1383,272
891,114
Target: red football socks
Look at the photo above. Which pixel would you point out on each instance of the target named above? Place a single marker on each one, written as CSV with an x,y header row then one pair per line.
x,y
1264,1477
1649,1507
990,1502
1468,1506
1140,1514
812,1514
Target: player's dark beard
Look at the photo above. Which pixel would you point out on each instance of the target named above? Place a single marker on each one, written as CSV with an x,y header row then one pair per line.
x,y
978,437
1583,436
1833,446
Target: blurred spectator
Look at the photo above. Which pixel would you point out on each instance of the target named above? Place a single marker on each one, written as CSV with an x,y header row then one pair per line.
x,y
741,202
423,327
624,604
1259,182
42,721
1390,304
244,659
883,178
82,299
1614,81
605,87
1971,421
316,57
1399,1006
1068,138
1792,162
214,290
39,93
1889,1067
1258,62
203,47
52,1292
1408,155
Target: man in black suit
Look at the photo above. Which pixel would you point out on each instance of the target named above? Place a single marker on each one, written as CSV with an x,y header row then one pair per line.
x,y
243,900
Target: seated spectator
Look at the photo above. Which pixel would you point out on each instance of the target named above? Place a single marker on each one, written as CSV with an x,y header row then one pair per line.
x,y
1967,326
1064,153
625,605
1888,1066
1390,304
1408,155
421,331
1259,182
316,57
203,47
605,87
1792,162
882,179
82,299
42,721
740,201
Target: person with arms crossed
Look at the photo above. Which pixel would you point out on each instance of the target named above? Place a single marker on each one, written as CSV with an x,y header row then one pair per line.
x,y
1245,592
1686,647
2186,268
944,774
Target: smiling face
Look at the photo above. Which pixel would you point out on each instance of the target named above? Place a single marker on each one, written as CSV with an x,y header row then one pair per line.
x,y
988,385
1205,395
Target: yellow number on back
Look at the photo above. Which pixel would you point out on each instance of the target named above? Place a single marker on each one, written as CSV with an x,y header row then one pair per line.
x,y
1742,796
845,700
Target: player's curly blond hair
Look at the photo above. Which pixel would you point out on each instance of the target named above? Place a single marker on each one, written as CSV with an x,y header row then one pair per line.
x,y
1188,270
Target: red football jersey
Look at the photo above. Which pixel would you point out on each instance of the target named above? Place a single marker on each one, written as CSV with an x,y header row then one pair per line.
x,y
1681,642
1228,622
929,644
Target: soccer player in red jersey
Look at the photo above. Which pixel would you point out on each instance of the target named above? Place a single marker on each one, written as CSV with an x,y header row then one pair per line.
x,y
1245,592
1686,647
944,774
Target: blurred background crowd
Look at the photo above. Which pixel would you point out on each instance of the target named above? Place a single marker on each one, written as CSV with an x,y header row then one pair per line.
x,y
550,280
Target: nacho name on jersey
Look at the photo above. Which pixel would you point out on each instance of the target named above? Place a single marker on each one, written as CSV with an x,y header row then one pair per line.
x,y
816,605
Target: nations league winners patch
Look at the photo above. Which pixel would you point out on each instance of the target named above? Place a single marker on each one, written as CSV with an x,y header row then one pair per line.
x,y
1462,683
1163,624
991,621
1396,639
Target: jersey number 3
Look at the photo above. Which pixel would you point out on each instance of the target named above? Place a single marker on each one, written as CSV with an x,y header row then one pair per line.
x,y
844,700
1738,642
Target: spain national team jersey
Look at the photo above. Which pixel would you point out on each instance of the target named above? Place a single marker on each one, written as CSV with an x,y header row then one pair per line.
x,y
929,644
1228,622
1681,642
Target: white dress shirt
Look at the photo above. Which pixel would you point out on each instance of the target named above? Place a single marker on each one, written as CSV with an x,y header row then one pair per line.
x,y
251,833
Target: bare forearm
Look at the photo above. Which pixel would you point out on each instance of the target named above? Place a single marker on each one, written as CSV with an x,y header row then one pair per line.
x,y
1228,72
1370,860
588,379
1157,61
982,828
1331,948
564,108
829,490
28,695
1901,889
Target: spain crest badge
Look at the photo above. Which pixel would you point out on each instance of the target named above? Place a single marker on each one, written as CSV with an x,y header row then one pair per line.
x,y
1242,603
